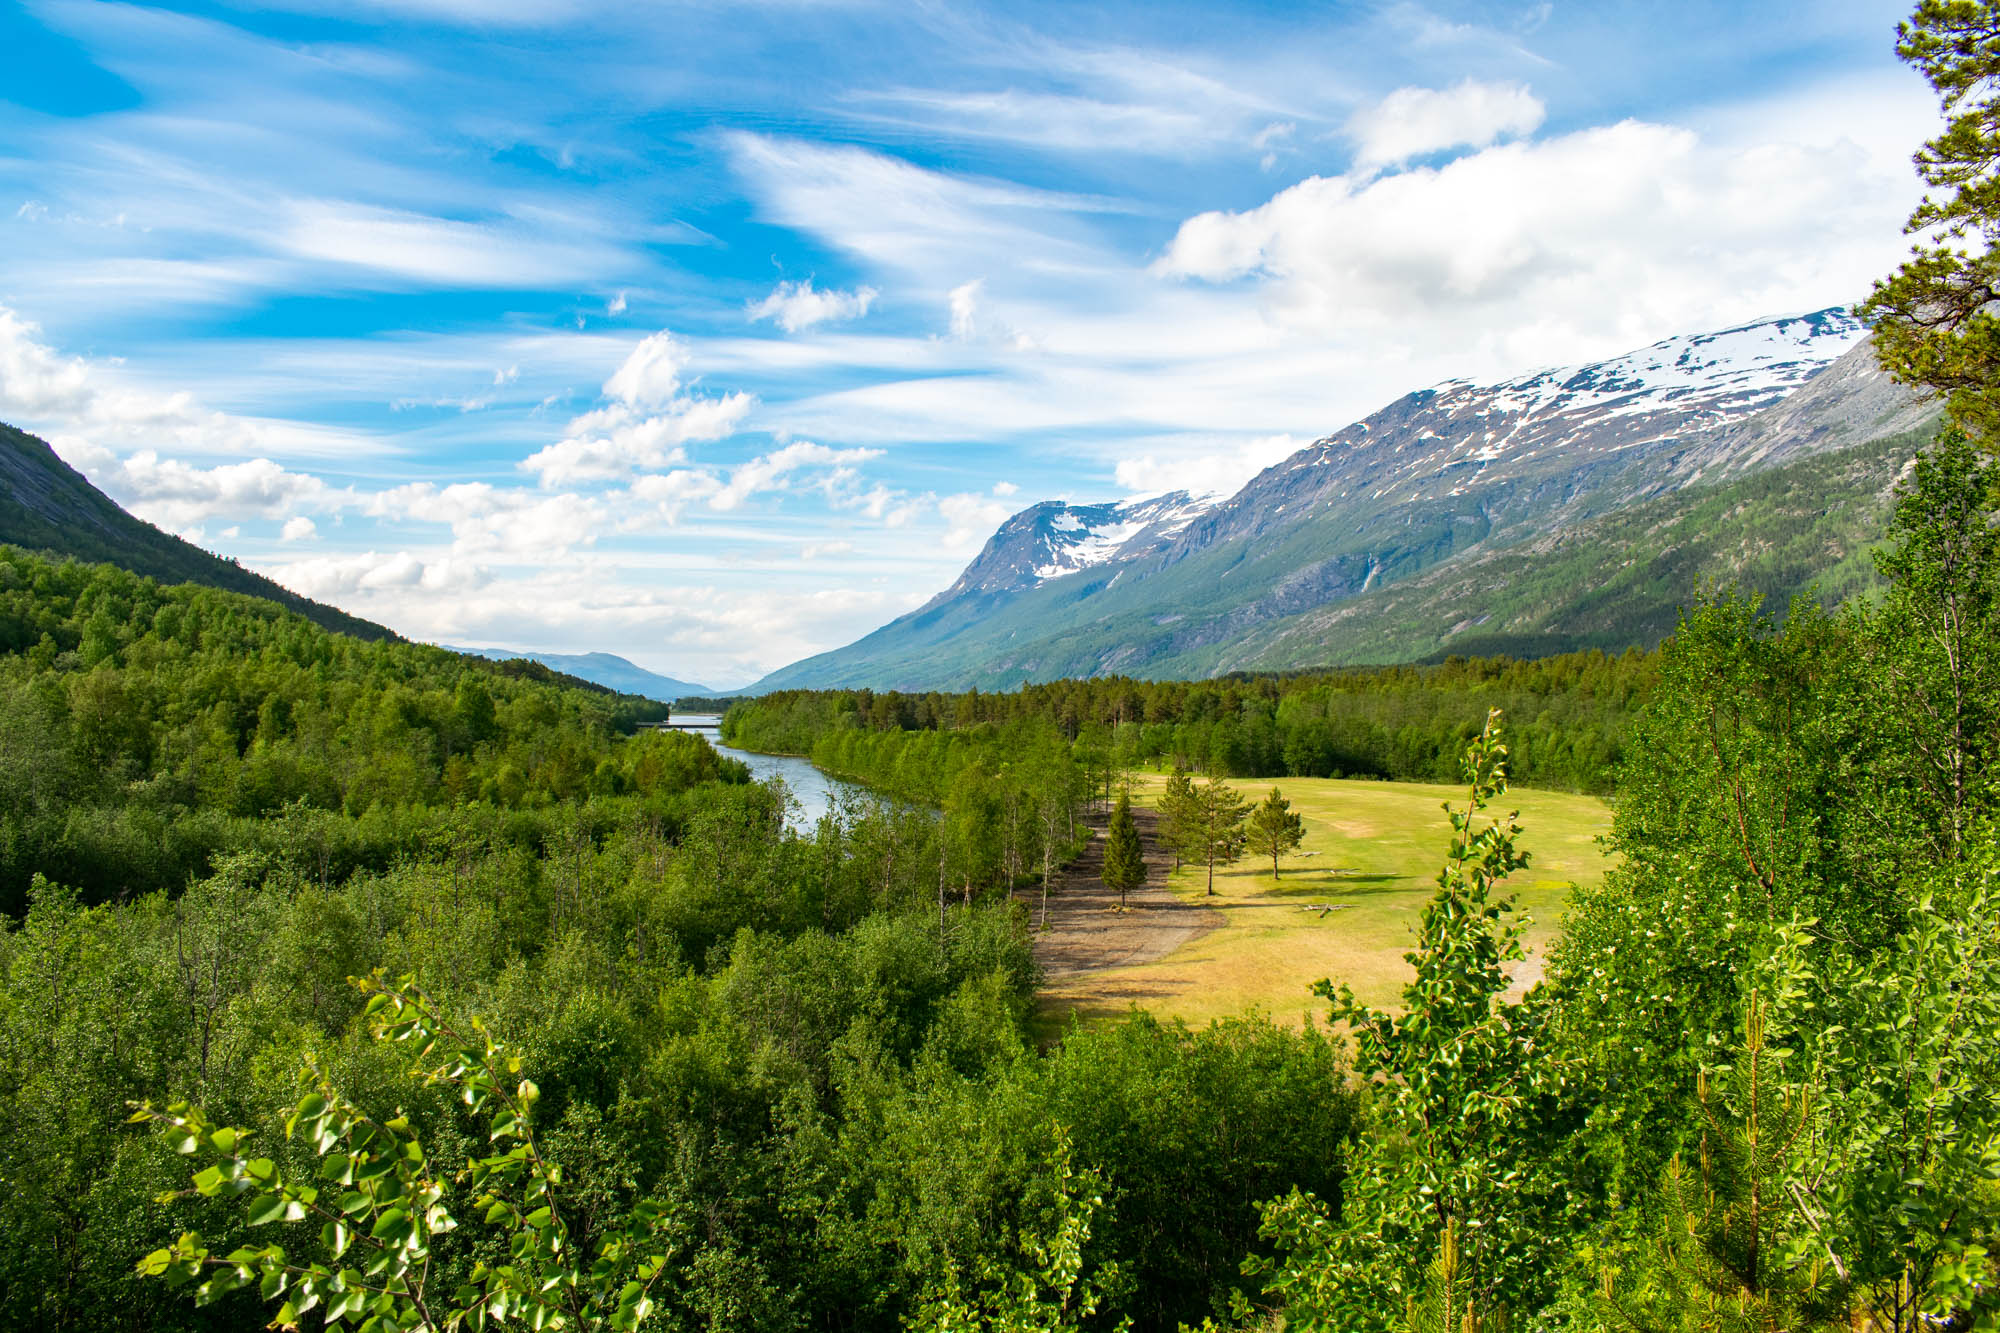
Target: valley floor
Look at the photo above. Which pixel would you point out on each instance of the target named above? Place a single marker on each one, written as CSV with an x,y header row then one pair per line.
x,y
1371,852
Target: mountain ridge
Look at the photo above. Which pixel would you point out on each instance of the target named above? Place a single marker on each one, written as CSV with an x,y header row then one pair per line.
x,y
1437,476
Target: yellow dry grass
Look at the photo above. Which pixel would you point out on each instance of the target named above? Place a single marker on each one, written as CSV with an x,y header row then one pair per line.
x,y
1371,852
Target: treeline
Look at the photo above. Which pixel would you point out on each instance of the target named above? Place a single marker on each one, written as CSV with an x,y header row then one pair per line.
x,y
1010,795
1570,717
806,1054
144,729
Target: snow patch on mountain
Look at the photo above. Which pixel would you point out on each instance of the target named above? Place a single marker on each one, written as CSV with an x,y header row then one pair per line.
x,y
1707,379
1054,539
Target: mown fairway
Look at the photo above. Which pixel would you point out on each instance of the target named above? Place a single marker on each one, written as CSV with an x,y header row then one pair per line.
x,y
1371,852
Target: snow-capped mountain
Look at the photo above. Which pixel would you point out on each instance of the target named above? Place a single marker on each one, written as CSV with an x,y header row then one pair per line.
x,y
1048,540
1558,436
1453,473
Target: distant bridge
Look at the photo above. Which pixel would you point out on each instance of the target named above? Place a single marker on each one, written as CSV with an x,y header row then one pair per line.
x,y
694,722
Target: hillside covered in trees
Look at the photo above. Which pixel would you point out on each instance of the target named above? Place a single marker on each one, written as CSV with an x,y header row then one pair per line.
x,y
47,506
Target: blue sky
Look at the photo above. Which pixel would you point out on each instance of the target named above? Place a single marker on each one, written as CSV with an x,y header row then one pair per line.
x,y
718,334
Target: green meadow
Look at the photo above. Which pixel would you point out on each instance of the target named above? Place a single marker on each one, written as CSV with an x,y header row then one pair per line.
x,y
1371,852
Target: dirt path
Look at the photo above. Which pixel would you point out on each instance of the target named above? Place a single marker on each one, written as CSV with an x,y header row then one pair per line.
x,y
1086,934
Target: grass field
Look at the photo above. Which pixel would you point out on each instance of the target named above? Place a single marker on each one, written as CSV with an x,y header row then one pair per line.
x,y
1372,850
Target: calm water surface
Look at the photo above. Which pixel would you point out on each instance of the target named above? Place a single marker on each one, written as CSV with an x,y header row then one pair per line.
x,y
814,791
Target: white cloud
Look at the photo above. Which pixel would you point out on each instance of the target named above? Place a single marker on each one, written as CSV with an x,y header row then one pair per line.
x,y
651,376
1203,467
34,380
342,577
1628,231
970,519
178,495
86,408
416,249
1005,488
964,302
769,472
297,529
489,522
1412,122
672,492
645,425
820,550
902,217
800,305
616,305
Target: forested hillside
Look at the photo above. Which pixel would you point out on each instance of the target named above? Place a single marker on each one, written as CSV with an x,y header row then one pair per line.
x,y
146,730
214,814
46,505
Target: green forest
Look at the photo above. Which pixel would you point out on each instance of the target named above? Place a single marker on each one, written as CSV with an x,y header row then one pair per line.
x,y
1569,718
762,1078
363,984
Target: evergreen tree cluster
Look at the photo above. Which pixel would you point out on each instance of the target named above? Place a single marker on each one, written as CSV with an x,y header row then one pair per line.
x,y
1408,722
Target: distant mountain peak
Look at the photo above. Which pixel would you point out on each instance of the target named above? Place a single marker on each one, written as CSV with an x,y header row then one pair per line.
x,y
1055,538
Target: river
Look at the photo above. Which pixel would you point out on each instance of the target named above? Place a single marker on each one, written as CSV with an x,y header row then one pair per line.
x,y
813,790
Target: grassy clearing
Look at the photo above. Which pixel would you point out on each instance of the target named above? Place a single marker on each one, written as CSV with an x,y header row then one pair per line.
x,y
1372,850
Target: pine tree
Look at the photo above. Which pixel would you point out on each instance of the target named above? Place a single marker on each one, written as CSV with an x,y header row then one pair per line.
x,y
1933,319
1218,823
1734,1246
1180,824
1274,829
1124,858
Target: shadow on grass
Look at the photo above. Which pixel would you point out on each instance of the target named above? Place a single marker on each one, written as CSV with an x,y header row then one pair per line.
x,y
1337,886
1054,1013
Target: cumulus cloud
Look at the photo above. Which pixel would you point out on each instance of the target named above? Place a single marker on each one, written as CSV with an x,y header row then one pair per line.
x,y
332,577
489,522
651,376
297,529
34,380
770,471
800,305
645,426
1621,229
672,492
178,495
1412,122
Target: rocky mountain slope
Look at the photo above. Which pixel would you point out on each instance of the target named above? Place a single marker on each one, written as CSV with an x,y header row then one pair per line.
x,y
1444,477
1054,538
46,505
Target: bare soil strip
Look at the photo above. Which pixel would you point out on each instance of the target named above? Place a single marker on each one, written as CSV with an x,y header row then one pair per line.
x,y
1086,933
